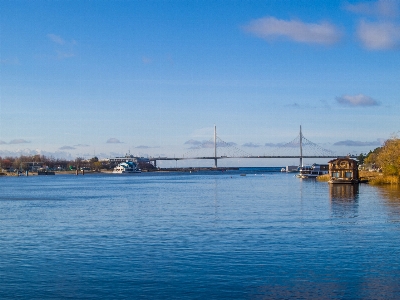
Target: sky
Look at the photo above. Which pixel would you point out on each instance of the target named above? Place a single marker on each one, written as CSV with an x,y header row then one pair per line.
x,y
153,78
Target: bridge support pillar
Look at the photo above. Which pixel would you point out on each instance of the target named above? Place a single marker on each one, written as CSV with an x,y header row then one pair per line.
x,y
215,147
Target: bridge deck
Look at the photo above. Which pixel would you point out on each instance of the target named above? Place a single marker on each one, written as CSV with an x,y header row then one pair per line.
x,y
236,157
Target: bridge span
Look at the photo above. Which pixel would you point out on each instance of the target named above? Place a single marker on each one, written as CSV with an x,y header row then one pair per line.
x,y
299,142
155,159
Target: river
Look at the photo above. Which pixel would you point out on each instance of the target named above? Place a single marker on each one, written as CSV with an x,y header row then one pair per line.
x,y
214,235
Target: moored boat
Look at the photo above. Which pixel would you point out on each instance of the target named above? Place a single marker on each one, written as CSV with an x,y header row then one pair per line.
x,y
127,167
290,169
343,170
313,171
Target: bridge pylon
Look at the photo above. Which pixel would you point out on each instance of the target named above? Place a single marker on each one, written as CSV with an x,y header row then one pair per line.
x,y
215,147
301,148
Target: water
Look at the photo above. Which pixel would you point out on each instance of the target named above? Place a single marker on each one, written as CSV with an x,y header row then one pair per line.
x,y
266,235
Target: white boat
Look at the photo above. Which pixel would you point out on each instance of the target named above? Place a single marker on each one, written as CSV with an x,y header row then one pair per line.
x,y
290,169
127,167
313,171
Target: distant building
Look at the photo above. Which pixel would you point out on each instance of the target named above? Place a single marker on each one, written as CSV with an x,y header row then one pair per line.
x,y
128,157
343,170
35,166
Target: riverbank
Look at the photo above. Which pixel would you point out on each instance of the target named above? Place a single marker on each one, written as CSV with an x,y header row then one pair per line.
x,y
373,178
73,172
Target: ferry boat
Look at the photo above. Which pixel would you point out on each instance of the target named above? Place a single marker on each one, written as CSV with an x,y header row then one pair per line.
x,y
127,167
313,171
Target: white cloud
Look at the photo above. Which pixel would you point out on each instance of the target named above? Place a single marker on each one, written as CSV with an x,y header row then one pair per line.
x,y
381,8
313,33
2,142
64,49
193,142
352,143
251,145
357,100
113,141
379,35
67,148
56,39
19,141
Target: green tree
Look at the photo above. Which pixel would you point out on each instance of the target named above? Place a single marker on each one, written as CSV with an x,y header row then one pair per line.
x,y
388,157
372,157
96,166
361,158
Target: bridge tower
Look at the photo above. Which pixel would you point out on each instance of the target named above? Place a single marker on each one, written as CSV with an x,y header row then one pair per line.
x,y
215,147
301,148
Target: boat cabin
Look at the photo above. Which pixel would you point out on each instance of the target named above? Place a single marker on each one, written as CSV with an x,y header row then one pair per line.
x,y
313,171
343,170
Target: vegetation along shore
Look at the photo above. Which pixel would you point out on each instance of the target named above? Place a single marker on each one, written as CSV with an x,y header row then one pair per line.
x,y
380,166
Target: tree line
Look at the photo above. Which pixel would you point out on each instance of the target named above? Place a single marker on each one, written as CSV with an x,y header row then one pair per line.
x,y
25,163
386,158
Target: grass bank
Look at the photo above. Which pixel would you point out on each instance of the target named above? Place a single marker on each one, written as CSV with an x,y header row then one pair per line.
x,y
374,178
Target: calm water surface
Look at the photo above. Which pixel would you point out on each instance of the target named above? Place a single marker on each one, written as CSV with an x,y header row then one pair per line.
x,y
266,235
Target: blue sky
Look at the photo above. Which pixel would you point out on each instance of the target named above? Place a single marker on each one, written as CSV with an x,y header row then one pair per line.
x,y
84,78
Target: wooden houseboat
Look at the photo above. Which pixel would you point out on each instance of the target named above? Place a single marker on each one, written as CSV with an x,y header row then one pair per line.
x,y
343,170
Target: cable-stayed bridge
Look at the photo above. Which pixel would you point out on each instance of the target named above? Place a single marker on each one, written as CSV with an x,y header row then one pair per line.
x,y
300,147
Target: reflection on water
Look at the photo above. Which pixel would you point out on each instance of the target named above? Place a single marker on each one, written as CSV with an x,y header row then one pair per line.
x,y
391,195
344,200
187,236
343,192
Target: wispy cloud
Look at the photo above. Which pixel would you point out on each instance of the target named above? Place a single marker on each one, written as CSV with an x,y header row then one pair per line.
x,y
381,8
67,148
311,33
113,141
251,145
193,142
290,145
65,49
56,39
379,35
81,145
379,29
296,105
10,61
145,147
357,100
208,144
352,143
2,142
19,141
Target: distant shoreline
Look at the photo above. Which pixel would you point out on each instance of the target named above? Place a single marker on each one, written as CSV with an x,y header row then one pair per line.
x,y
166,170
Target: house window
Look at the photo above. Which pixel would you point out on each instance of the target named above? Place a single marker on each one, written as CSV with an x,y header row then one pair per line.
x,y
349,174
335,174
